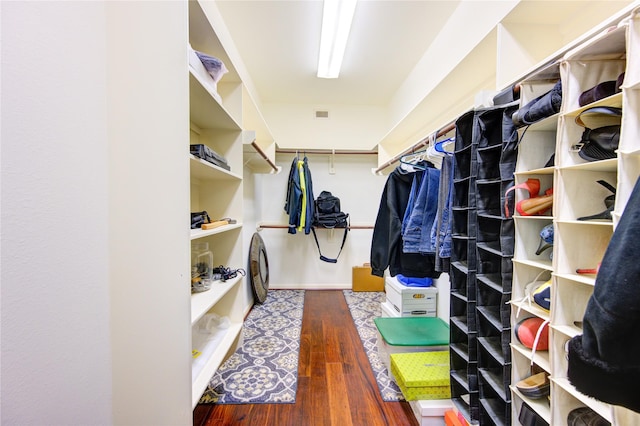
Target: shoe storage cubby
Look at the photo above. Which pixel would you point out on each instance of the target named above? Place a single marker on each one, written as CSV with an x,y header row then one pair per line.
x,y
481,269
578,245
463,338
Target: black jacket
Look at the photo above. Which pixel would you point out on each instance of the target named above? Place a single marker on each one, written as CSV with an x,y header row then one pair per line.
x,y
604,362
386,244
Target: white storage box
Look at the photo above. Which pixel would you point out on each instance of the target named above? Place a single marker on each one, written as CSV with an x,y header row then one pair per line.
x,y
431,412
388,311
411,301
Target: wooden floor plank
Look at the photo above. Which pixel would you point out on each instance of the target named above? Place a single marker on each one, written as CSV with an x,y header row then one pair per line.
x,y
336,386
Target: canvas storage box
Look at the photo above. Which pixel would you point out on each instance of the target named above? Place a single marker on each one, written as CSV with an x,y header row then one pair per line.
x,y
388,311
422,375
410,334
362,280
411,301
430,412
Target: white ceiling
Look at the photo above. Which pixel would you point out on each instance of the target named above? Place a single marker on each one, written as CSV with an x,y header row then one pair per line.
x,y
278,42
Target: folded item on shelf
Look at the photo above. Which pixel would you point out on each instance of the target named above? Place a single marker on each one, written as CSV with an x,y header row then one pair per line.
x,y
415,282
214,66
204,152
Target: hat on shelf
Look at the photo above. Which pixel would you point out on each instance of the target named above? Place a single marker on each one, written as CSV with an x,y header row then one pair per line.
x,y
601,135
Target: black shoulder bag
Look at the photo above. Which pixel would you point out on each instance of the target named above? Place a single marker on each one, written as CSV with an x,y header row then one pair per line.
x,y
329,216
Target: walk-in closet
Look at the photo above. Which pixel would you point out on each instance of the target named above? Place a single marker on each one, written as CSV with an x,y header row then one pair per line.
x,y
436,226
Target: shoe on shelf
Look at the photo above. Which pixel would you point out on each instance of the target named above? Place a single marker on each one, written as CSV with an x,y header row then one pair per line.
x,y
536,205
546,239
609,203
535,386
532,186
585,416
588,271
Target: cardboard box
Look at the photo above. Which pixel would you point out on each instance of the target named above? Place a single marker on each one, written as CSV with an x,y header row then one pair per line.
x,y
362,280
422,375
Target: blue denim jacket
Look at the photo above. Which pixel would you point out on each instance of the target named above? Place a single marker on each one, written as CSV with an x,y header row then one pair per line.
x,y
421,213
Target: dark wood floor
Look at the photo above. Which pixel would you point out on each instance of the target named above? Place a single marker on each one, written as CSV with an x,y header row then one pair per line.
x,y
336,385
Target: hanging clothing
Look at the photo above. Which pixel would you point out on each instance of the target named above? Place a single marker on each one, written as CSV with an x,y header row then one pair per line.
x,y
420,213
299,203
441,230
603,361
303,189
386,243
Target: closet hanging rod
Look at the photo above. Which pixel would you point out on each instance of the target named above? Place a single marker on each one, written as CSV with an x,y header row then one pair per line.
x,y
264,156
325,151
277,226
446,129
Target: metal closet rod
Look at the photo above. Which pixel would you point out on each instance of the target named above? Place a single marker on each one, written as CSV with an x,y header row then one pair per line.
x,y
325,151
263,155
277,226
424,142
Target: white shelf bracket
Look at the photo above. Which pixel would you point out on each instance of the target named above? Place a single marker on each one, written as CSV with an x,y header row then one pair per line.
x,y
332,159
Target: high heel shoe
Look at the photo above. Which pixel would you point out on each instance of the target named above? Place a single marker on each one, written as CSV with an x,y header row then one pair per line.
x,y
609,203
531,185
536,205
546,239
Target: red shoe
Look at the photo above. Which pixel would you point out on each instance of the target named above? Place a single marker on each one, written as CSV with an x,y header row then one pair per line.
x,y
532,185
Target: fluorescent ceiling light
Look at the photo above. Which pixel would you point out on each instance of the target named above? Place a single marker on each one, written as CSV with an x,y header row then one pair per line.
x,y
336,24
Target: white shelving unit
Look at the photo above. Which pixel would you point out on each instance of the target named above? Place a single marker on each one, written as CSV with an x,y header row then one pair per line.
x,y
224,117
577,244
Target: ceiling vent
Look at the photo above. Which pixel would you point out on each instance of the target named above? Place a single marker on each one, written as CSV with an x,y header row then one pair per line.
x,y
322,114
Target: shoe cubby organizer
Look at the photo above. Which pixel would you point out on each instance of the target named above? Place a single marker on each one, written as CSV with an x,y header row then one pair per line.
x,y
578,245
463,338
481,269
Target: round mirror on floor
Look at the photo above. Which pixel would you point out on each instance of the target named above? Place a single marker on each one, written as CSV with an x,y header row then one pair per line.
x,y
258,268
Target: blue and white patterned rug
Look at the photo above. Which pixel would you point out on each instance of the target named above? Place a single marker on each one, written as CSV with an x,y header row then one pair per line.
x,y
265,369
364,307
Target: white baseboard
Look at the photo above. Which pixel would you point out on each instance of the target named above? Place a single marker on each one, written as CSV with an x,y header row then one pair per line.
x,y
310,286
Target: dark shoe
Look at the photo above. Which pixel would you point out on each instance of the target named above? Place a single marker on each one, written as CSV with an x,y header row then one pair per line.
x,y
536,386
597,92
585,416
609,203
528,417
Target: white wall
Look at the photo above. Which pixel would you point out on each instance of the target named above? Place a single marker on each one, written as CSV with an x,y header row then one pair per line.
x,y
348,126
95,309
56,358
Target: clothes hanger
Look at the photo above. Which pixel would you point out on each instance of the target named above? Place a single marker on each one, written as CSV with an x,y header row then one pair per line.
x,y
413,162
441,146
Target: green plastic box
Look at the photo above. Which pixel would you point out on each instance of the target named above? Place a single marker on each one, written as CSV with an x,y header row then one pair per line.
x,y
410,334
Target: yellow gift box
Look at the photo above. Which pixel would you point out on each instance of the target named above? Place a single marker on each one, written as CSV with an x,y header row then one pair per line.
x,y
422,375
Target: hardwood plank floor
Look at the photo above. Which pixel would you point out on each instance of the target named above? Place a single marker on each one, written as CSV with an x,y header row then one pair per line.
x,y
336,386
